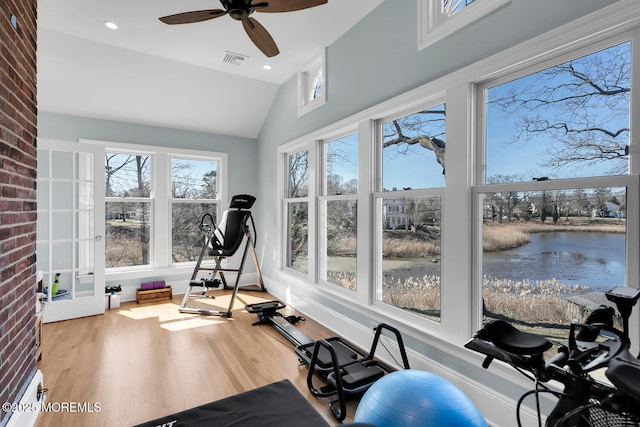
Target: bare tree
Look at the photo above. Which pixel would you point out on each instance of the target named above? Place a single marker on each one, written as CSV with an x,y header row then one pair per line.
x,y
582,105
415,124
503,203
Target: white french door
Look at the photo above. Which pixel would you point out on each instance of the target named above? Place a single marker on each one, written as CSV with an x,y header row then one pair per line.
x,y
70,228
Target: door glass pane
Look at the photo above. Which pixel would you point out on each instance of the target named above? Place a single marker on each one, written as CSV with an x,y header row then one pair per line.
x,y
43,164
42,226
62,165
42,194
411,254
62,225
61,255
85,166
42,258
84,285
86,198
62,194
85,225
60,291
86,255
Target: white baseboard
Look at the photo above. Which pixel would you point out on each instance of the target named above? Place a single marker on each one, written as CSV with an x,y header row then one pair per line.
x,y
27,415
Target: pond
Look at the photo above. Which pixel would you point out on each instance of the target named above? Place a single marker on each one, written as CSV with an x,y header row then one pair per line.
x,y
596,260
589,259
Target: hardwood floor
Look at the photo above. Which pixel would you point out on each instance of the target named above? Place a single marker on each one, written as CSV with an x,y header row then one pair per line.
x,y
144,361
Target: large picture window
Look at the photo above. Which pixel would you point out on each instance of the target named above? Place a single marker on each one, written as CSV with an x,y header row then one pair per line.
x,y
155,200
556,188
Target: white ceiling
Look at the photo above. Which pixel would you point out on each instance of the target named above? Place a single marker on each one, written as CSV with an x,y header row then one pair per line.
x,y
151,73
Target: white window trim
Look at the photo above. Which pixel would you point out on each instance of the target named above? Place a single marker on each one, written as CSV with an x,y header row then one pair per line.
x,y
305,104
160,199
434,24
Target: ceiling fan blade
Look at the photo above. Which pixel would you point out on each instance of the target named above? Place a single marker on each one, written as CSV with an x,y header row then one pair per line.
x,y
195,16
260,37
289,5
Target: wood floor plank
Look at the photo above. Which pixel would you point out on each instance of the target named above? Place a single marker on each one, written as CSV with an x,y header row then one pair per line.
x,y
144,361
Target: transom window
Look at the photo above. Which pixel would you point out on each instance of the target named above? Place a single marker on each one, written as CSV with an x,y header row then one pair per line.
x,y
312,85
439,18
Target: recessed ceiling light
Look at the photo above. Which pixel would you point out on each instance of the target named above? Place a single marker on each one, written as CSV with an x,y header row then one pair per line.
x,y
111,25
266,67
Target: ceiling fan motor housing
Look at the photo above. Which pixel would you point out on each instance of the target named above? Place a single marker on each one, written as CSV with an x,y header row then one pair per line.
x,y
238,9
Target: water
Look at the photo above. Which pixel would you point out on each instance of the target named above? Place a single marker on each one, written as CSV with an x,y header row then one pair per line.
x,y
596,260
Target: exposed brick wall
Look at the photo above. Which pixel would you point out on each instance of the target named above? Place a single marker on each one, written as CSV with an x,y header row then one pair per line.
x,y
18,112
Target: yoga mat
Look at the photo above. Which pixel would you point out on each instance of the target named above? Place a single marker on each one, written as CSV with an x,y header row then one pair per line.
x,y
279,404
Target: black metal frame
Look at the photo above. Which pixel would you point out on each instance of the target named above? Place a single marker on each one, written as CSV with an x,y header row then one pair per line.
x,y
215,246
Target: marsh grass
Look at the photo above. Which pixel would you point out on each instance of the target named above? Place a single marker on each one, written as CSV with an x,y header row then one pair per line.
x,y
540,304
529,302
421,295
505,237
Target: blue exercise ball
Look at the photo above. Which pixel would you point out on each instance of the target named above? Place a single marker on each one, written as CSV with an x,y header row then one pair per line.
x,y
417,398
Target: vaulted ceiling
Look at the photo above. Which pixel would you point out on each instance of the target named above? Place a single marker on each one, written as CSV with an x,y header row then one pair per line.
x,y
174,76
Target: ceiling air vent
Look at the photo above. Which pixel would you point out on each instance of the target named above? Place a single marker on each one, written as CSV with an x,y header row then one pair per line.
x,y
234,58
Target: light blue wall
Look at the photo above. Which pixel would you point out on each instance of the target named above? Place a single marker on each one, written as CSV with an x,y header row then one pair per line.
x,y
242,152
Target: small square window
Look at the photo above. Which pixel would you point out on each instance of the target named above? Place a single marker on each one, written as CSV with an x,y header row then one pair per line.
x,y
312,85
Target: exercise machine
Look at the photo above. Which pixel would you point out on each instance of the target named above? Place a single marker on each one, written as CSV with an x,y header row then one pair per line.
x,y
347,371
220,242
268,315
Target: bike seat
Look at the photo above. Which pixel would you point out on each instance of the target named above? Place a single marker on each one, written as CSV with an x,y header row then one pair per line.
x,y
506,337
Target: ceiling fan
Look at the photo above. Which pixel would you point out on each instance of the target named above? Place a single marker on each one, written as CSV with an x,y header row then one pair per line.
x,y
241,10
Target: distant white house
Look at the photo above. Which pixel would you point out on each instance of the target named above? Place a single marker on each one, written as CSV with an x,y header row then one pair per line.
x,y
395,214
613,211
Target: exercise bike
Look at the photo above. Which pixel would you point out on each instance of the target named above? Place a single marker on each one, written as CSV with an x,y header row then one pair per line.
x,y
594,345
